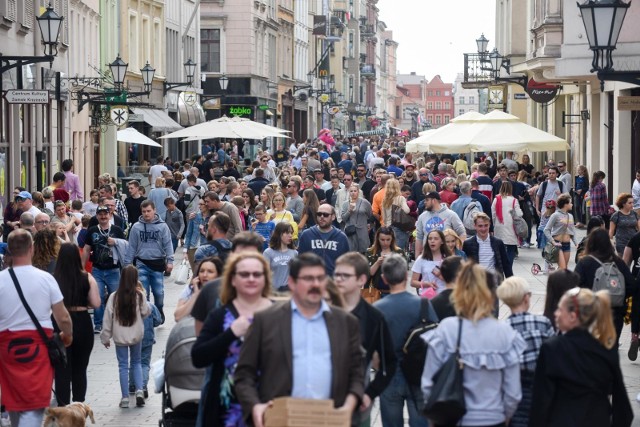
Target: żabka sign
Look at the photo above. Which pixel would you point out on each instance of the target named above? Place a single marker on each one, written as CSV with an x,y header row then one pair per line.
x,y
241,111
542,92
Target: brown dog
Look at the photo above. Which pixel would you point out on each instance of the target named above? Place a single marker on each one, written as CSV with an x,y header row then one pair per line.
x,y
72,415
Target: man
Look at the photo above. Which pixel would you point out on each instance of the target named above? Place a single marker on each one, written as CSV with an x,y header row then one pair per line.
x,y
324,239
485,202
150,244
155,171
332,193
184,183
550,189
361,175
192,195
26,374
442,174
635,192
342,195
461,203
485,183
352,275
214,203
107,192
416,189
133,202
487,250
565,176
25,203
217,241
393,167
99,247
320,182
436,217
41,221
509,163
368,185
295,205
309,184
72,181
258,182
346,163
503,176
314,161
410,177
402,311
27,222
280,156
314,353
114,219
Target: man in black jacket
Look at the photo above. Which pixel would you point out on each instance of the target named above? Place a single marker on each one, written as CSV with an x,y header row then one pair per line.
x,y
351,275
485,249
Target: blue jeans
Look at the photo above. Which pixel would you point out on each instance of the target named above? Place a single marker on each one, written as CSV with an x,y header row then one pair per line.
x,y
152,282
511,253
174,242
145,361
122,353
402,238
109,279
27,418
392,402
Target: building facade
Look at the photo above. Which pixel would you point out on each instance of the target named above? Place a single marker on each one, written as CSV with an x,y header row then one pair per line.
x,y
439,102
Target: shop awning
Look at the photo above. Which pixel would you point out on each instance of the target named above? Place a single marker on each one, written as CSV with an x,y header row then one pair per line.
x,y
158,120
190,112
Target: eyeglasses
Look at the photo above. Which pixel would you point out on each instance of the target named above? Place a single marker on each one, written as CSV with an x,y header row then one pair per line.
x,y
20,199
43,222
311,279
424,174
323,214
343,276
361,170
573,293
247,274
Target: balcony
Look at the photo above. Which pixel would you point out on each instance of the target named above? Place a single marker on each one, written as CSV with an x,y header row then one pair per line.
x,y
363,58
477,71
367,31
368,71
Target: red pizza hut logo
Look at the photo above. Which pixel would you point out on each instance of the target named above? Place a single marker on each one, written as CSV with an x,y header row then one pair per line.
x,y
542,92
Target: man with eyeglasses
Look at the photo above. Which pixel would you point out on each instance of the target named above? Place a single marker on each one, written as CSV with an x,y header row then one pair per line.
x,y
565,176
295,205
323,239
42,221
318,346
361,174
107,191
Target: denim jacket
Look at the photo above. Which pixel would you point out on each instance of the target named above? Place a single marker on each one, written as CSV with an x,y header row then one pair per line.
x,y
193,238
150,322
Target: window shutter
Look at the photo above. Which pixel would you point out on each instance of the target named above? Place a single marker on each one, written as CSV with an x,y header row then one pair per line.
x,y
9,10
26,13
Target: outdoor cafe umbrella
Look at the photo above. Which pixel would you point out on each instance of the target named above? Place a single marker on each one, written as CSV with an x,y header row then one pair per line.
x,y
132,136
421,144
227,127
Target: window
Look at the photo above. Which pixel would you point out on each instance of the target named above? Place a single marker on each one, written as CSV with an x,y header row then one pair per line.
x,y
461,100
397,111
472,100
430,93
461,111
438,119
351,84
438,105
446,119
351,46
447,105
430,118
210,50
446,93
133,41
429,105
437,93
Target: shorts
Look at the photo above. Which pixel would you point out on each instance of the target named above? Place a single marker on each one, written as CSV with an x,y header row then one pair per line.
x,y
566,246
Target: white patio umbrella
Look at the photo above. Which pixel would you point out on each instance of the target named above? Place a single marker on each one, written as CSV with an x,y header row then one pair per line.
x,y
132,136
422,144
225,127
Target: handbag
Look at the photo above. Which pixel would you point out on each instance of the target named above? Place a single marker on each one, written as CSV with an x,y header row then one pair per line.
x,y
446,405
182,275
350,230
401,220
55,346
519,224
370,294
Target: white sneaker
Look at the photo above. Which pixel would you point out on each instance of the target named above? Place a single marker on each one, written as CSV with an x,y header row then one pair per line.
x,y
124,402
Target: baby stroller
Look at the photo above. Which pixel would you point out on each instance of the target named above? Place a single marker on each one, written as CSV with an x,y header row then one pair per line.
x,y
550,253
182,381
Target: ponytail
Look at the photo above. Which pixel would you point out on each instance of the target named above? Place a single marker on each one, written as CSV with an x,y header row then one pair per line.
x,y
602,327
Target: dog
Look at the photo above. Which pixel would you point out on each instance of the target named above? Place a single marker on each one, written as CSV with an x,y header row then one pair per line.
x,y
72,415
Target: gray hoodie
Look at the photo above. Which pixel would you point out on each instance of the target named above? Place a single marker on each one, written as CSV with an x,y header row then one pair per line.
x,y
149,241
438,220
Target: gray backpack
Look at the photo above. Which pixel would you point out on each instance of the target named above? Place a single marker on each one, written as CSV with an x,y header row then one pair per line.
x,y
470,211
609,278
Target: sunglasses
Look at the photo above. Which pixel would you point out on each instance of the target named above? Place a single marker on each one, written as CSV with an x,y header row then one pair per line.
x,y
323,214
247,274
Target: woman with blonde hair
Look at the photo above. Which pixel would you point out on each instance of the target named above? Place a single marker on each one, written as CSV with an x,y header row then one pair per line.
x,y
266,197
246,287
578,380
158,195
454,243
393,197
489,350
447,195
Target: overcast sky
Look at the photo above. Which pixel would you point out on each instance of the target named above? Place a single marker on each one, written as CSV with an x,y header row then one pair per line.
x,y
433,34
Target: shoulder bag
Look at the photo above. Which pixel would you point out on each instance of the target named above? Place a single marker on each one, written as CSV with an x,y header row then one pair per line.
x,y
402,220
446,405
519,224
55,346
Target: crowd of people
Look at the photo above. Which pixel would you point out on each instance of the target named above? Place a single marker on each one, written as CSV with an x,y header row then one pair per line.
x,y
293,238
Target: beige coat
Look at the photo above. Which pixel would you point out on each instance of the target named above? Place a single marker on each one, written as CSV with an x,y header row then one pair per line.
x,y
124,335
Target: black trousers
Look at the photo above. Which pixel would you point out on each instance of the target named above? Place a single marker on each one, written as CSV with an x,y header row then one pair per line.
x,y
74,376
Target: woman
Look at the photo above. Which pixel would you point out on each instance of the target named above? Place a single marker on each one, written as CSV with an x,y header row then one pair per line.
x,y
384,244
11,216
426,270
624,223
250,201
393,197
599,199
246,285
69,222
599,247
503,208
222,188
213,185
206,270
526,165
559,282
489,350
311,205
560,229
80,292
304,171
266,197
448,195
279,254
580,188
454,243
158,196
529,213
46,246
355,214
195,235
278,212
578,381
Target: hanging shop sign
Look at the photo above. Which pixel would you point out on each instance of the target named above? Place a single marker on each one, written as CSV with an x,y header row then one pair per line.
x,y
542,92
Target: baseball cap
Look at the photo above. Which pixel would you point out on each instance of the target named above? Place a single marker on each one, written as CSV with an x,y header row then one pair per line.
x,y
102,209
25,195
410,165
432,195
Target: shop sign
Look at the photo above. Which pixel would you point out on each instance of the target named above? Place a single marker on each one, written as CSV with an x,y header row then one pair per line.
x,y
240,111
629,103
542,92
119,115
27,96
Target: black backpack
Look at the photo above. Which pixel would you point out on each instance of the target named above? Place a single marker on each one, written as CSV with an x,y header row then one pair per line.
x,y
223,253
415,349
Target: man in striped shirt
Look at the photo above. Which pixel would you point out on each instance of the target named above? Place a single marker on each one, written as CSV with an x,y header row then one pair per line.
x,y
485,249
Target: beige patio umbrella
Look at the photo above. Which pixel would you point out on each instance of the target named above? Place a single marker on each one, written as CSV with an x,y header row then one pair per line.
x,y
228,127
422,144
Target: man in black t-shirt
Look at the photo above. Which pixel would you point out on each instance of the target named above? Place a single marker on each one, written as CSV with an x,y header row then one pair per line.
x,y
133,202
99,245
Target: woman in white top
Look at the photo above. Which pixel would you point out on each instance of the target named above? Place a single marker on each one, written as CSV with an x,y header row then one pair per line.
x,y
426,270
394,197
502,210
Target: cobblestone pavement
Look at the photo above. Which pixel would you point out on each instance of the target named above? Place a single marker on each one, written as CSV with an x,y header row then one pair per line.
x,y
104,395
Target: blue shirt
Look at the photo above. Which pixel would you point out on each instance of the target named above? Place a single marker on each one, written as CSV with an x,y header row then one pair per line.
x,y
312,369
265,229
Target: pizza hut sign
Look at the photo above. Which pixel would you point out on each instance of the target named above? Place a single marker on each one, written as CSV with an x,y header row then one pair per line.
x,y
542,92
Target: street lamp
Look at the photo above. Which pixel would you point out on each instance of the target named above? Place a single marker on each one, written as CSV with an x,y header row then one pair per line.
x,y
224,82
118,70
147,76
189,71
602,21
482,42
497,62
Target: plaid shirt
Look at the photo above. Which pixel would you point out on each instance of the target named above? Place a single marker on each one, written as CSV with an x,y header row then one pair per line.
x,y
599,201
534,329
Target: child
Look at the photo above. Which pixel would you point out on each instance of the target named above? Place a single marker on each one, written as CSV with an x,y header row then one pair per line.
x,y
90,207
262,225
123,321
175,221
544,218
279,255
148,340
515,293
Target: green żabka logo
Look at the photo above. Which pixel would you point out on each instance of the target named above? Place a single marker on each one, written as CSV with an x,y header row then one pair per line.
x,y
240,111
